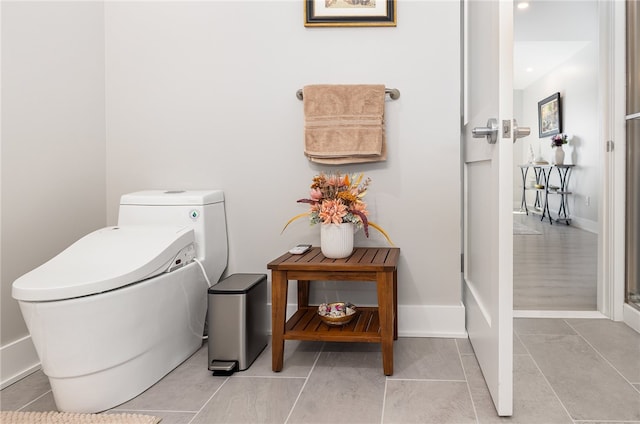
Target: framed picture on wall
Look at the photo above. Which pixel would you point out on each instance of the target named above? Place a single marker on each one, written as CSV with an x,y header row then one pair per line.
x,y
349,13
550,116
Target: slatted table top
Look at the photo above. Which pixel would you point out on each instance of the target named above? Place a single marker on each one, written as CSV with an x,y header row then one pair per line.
x,y
362,259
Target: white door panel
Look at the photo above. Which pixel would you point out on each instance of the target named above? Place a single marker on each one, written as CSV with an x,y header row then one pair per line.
x,y
488,172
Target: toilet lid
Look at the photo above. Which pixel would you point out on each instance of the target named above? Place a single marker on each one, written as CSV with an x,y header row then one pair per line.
x,y
104,260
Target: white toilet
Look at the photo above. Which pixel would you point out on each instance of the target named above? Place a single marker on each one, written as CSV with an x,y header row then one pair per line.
x,y
120,308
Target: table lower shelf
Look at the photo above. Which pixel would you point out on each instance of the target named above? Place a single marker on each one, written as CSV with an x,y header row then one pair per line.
x,y
306,324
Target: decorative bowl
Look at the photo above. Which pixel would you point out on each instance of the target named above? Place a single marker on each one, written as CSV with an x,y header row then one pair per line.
x,y
337,313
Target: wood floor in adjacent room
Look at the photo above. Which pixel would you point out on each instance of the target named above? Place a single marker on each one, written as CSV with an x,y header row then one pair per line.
x,y
554,270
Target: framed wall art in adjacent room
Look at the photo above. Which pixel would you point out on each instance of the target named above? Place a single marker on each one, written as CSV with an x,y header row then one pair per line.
x,y
350,13
550,116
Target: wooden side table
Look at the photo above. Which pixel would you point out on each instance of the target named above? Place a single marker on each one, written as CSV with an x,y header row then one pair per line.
x,y
372,324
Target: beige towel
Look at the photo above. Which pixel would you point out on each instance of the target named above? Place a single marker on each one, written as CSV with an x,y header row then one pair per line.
x,y
344,123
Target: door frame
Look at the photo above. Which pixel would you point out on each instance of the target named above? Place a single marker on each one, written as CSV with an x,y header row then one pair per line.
x,y
611,240
614,247
611,221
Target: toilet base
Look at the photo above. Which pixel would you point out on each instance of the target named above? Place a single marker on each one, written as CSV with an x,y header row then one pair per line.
x,y
103,350
105,390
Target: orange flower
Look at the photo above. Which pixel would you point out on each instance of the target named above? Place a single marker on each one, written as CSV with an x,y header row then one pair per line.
x,y
347,197
315,194
360,207
332,211
334,180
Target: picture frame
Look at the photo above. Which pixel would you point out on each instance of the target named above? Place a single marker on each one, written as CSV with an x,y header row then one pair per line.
x,y
550,116
349,13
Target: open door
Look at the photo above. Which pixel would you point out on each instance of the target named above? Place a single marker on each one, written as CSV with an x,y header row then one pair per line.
x,y
487,198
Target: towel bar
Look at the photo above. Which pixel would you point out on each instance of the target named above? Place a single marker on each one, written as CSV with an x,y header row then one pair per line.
x,y
394,93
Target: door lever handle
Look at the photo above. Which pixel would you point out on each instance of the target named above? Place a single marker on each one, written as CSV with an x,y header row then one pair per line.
x,y
490,132
519,132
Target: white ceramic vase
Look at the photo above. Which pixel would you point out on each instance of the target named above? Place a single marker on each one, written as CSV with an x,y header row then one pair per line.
x,y
336,240
559,156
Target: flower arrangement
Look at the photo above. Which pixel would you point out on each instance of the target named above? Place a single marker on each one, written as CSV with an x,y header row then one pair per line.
x,y
336,199
559,140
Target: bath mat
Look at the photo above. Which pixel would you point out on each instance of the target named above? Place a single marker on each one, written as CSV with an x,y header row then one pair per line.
x,y
12,417
521,229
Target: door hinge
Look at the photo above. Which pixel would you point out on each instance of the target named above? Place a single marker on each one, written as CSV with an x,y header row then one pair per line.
x,y
609,145
462,262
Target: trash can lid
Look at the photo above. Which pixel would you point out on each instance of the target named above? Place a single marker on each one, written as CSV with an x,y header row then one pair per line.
x,y
237,284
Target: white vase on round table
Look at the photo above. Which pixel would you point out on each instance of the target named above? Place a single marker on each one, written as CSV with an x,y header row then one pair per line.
x,y
336,240
559,160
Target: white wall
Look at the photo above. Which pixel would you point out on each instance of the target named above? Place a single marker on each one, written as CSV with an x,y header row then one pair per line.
x,y
202,95
53,146
577,82
100,99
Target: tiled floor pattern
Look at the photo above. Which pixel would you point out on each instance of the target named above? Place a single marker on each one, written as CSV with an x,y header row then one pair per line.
x,y
565,371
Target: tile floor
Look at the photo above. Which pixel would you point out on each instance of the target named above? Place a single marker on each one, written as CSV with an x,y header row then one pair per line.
x,y
565,371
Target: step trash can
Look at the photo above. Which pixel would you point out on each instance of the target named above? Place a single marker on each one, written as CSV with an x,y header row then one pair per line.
x,y
237,320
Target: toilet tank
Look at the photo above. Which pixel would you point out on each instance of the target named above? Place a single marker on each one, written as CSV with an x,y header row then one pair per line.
x,y
202,210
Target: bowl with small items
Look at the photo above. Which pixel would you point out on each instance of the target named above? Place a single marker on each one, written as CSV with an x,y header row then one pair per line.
x,y
337,313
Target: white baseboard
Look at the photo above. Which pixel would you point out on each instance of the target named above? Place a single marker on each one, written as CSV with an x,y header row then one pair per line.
x,y
423,320
17,360
585,224
631,317
520,313
431,321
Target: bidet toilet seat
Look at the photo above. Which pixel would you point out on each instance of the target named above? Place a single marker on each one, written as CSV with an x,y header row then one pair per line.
x,y
104,260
